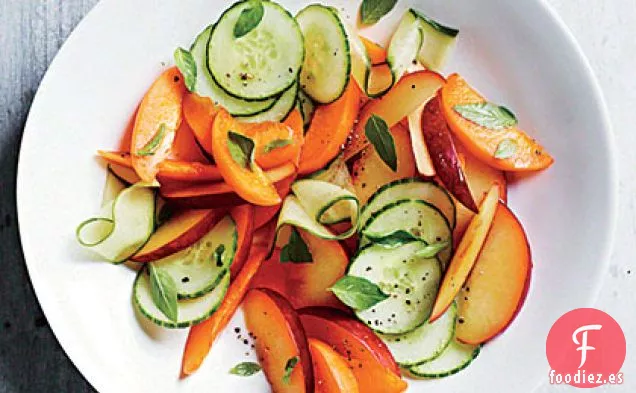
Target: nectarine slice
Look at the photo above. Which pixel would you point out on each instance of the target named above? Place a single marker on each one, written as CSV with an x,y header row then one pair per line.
x,y
199,113
370,172
331,372
180,231
243,217
483,142
466,253
496,288
280,339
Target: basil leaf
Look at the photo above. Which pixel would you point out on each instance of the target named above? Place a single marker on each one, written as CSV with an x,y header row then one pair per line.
x,y
241,148
358,293
163,290
250,18
394,239
218,255
151,147
431,250
276,143
245,369
377,132
289,368
506,149
296,250
371,11
186,65
487,115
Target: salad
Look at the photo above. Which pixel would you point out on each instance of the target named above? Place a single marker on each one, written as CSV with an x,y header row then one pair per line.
x,y
350,199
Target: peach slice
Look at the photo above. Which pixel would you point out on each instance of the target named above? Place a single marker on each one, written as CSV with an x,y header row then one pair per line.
x,y
180,231
466,254
496,288
331,372
407,95
280,338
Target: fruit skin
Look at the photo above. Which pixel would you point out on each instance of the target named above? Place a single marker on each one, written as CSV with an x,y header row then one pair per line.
x,y
280,337
483,142
407,95
499,282
160,107
370,172
331,371
443,153
180,231
466,254
358,345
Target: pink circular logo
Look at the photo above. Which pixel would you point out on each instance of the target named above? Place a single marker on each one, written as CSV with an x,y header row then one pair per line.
x,y
586,348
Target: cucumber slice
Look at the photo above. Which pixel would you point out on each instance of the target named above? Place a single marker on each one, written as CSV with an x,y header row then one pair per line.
x,y
312,206
405,45
261,64
306,106
282,107
123,226
424,343
206,86
456,357
113,187
360,61
417,217
336,172
190,312
410,281
325,73
410,188
196,269
438,42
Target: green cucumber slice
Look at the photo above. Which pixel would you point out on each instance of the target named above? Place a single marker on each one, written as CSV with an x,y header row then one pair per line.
x,y
410,188
190,311
312,207
325,72
282,107
438,42
405,45
336,172
123,226
417,217
113,187
424,343
261,64
360,61
410,281
456,357
196,269
306,106
206,86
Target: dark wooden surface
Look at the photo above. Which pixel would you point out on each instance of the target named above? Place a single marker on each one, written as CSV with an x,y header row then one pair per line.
x,y
31,32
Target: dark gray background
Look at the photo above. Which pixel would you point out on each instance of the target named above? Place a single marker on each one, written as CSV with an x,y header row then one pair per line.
x,y
31,32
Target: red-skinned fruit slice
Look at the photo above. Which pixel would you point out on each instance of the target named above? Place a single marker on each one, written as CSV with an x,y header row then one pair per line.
x,y
495,290
331,371
442,150
280,337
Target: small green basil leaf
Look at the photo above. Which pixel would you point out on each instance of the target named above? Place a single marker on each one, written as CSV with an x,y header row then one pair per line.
x,y
371,11
394,239
250,18
377,132
289,368
487,115
296,250
163,290
276,143
241,148
245,369
188,68
431,250
506,149
151,147
358,293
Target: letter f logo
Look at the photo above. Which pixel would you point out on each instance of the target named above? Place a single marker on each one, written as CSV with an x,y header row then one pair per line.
x,y
583,344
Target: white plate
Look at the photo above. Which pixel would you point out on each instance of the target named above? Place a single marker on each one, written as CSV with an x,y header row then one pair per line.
x,y
516,52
